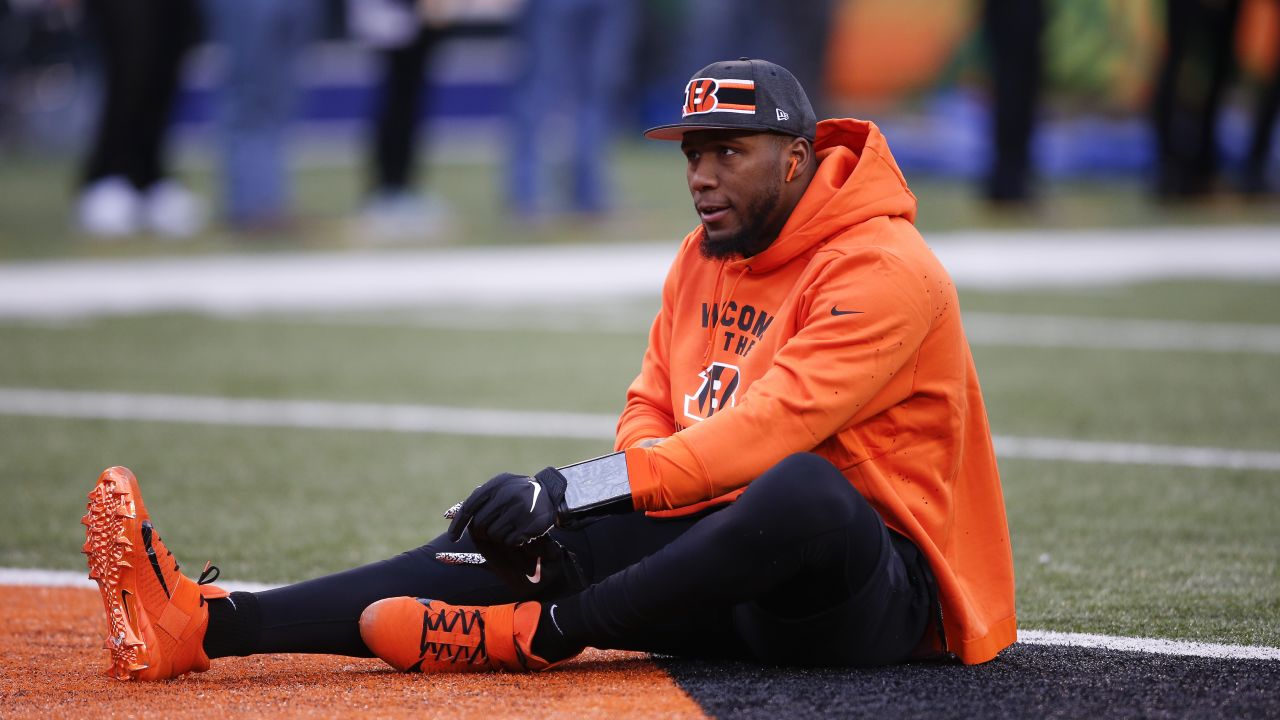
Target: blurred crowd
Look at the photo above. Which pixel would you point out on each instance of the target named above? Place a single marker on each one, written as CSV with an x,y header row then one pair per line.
x,y
580,71
1194,75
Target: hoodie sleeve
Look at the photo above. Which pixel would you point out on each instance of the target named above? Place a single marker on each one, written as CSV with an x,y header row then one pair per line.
x,y
647,413
864,316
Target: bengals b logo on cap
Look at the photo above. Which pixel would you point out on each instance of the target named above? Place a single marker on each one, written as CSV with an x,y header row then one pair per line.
x,y
704,95
742,94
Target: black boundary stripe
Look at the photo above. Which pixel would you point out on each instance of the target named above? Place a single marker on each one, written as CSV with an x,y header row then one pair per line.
x,y
1024,681
735,96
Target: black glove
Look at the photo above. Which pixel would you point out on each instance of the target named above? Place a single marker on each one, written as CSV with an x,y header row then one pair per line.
x,y
540,568
511,510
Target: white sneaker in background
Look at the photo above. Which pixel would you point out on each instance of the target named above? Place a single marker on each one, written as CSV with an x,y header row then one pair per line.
x,y
383,24
109,208
172,211
404,217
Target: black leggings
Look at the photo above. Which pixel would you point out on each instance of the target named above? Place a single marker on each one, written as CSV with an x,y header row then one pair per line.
x,y
142,44
801,556
400,111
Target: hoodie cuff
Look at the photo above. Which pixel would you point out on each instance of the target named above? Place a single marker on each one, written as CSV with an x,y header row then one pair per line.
x,y
666,476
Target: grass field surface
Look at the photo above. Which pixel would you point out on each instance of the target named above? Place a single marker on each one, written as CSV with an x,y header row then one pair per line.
x,y
1136,549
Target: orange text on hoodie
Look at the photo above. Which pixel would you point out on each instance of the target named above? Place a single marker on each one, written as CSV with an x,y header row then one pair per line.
x,y
842,338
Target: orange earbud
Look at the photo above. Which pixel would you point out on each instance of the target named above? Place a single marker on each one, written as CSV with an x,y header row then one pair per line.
x,y
792,170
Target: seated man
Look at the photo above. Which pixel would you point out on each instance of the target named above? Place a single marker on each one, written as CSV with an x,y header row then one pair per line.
x,y
804,471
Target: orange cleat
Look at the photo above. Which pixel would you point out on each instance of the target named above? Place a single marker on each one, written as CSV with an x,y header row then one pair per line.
x,y
420,635
156,617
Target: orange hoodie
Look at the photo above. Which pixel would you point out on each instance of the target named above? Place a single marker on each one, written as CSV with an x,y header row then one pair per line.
x,y
842,338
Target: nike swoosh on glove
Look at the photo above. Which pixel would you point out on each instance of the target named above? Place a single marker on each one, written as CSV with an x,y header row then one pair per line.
x,y
542,568
511,510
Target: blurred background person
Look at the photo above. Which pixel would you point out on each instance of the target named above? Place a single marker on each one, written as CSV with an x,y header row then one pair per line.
x,y
1193,77
1255,180
262,41
572,60
1013,30
126,186
393,207
791,33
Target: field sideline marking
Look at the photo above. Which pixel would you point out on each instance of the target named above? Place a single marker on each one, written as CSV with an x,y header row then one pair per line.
x,y
258,412
502,276
1088,451
984,329
1158,646
1064,331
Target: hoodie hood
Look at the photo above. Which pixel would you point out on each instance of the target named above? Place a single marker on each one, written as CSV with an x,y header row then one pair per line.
x,y
857,180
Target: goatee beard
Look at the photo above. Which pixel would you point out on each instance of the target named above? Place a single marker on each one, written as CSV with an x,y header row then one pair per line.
x,y
751,239
728,248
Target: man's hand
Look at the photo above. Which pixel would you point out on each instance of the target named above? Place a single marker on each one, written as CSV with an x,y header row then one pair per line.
x,y
511,510
540,568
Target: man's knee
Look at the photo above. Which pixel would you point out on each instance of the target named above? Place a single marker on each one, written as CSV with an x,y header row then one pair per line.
x,y
808,488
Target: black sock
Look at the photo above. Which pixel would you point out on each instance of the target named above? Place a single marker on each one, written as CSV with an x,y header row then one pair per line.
x,y
235,626
560,632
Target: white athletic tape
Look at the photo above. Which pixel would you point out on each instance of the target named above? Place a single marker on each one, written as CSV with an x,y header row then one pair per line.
x,y
460,558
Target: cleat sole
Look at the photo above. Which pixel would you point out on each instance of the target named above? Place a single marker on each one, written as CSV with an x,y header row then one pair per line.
x,y
110,505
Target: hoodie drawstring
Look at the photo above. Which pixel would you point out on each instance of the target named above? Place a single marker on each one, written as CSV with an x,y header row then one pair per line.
x,y
720,302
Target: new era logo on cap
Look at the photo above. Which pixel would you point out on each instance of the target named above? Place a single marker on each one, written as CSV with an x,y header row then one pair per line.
x,y
742,94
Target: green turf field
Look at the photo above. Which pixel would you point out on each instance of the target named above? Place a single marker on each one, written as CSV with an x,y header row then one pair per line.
x,y
36,192
1188,553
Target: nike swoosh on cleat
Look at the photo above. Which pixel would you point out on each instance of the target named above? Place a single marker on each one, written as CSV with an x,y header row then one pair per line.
x,y
837,312
147,530
536,577
124,601
537,488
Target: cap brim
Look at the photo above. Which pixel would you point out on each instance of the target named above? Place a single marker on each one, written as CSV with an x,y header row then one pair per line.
x,y
676,131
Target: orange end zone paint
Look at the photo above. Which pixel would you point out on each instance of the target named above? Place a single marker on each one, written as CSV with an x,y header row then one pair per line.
x,y
51,645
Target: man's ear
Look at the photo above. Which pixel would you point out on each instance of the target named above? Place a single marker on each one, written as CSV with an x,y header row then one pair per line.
x,y
799,156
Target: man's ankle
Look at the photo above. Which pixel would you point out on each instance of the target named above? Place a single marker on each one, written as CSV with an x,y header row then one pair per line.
x,y
235,626
551,642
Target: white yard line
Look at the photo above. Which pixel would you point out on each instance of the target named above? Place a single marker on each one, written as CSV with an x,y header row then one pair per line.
x,y
1039,258
982,328
497,276
31,577
1058,331
305,414
257,412
1087,451
239,284
1158,646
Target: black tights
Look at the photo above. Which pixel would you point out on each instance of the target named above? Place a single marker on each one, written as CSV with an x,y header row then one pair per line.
x,y
142,44
801,555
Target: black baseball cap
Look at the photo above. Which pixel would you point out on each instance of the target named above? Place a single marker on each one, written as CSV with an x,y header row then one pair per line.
x,y
742,94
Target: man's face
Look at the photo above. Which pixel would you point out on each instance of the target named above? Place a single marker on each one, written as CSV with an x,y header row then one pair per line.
x,y
735,178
